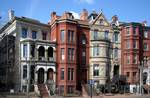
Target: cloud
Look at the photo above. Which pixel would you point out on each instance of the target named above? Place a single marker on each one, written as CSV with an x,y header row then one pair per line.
x,y
76,15
87,1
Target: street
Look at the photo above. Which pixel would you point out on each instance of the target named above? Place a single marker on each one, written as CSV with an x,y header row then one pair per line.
x,y
103,96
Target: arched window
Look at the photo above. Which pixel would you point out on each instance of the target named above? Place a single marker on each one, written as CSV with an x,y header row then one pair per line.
x,y
41,51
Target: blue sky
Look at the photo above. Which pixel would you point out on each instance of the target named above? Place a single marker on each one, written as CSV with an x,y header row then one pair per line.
x,y
127,10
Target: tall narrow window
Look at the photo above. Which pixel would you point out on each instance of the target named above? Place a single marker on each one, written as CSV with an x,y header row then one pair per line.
x,y
83,39
96,70
128,74
34,33
135,59
73,54
128,59
62,74
128,44
70,73
134,31
116,34
95,35
116,52
134,44
44,35
96,50
106,34
145,47
69,54
32,50
62,36
128,30
145,34
25,50
24,33
24,71
62,53
70,36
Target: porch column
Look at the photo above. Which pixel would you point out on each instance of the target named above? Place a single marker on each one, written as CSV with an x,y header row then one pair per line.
x,y
36,77
37,53
46,53
45,77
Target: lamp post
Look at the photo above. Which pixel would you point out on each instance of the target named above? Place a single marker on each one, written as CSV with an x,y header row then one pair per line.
x,y
141,67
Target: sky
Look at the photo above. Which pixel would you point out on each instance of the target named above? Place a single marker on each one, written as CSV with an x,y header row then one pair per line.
x,y
126,10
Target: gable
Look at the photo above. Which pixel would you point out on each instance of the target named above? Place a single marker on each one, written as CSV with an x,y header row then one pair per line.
x,y
101,20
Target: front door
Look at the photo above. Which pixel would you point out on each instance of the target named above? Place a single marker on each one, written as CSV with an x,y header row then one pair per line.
x,y
41,76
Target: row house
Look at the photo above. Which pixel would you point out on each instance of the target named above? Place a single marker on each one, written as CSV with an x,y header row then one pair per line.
x,y
135,45
71,36
105,52
35,56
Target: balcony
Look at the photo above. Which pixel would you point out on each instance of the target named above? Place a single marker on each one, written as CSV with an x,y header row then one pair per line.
x,y
51,59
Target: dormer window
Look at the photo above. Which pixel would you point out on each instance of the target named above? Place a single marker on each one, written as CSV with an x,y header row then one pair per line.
x,y
101,21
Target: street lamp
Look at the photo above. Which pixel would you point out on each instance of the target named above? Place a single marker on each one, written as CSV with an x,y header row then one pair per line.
x,y
141,67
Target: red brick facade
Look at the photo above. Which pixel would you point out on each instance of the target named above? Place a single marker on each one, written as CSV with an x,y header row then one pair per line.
x,y
132,49
69,52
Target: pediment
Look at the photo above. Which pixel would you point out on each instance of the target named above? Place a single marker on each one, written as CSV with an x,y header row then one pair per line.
x,y
101,20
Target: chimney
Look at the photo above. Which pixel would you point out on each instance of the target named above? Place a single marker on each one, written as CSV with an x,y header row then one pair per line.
x,y
84,15
53,15
144,23
10,14
114,18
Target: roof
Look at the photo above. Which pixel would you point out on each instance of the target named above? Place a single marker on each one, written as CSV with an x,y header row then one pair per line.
x,y
24,19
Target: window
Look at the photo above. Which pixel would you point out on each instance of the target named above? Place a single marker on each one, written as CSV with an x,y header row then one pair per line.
x,y
134,44
25,50
61,89
135,59
116,52
128,59
96,50
24,33
101,22
134,74
32,50
134,31
145,34
96,70
127,30
70,73
62,74
95,35
44,35
83,39
128,44
24,71
116,36
34,34
145,47
62,36
62,53
70,89
70,36
106,34
83,53
71,54
128,74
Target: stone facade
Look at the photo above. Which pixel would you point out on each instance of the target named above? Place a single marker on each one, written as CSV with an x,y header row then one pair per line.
x,y
34,53
104,49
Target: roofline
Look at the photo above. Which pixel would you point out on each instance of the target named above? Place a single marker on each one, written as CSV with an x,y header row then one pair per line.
x,y
21,19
